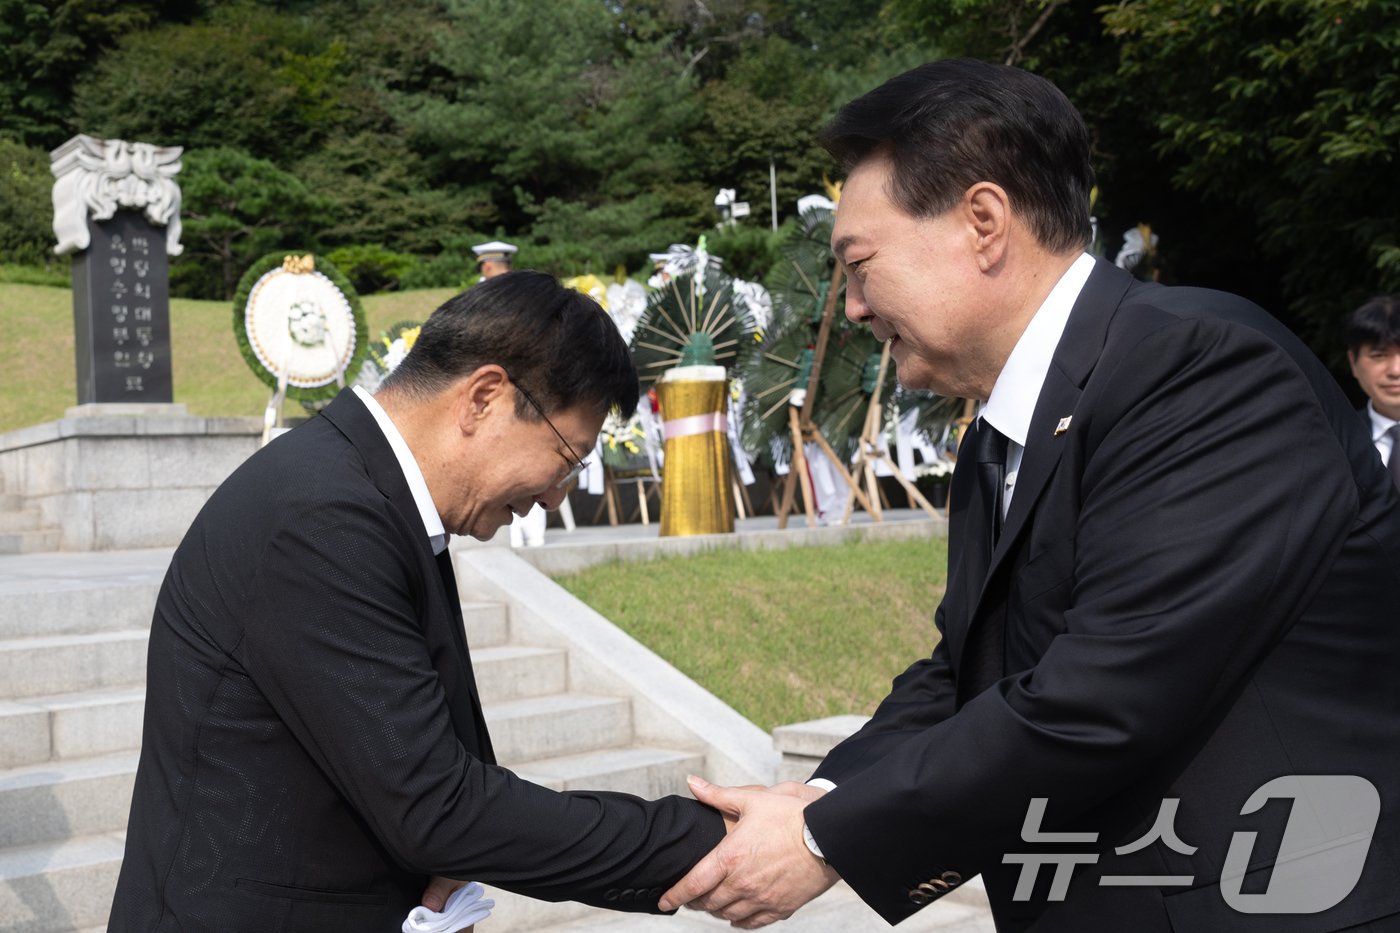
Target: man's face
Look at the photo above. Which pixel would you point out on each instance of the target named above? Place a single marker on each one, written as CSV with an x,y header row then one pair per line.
x,y
916,282
516,463
491,268
1377,369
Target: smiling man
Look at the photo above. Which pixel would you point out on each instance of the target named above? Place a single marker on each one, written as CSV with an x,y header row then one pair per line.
x,y
1174,560
314,748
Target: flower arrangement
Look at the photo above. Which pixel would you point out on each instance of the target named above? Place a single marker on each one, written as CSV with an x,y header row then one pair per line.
x,y
386,353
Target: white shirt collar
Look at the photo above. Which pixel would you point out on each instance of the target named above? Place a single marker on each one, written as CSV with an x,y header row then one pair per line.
x,y
1012,403
432,521
1379,422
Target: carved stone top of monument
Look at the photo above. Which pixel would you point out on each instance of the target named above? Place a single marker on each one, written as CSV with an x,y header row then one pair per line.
x,y
98,177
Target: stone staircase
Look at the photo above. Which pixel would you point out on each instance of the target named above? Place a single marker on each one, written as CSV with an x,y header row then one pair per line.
x,y
72,668
22,529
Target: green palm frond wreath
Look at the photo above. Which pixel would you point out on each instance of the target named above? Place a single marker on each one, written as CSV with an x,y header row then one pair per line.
x,y
693,321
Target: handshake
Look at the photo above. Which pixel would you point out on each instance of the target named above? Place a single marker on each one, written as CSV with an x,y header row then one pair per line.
x,y
764,870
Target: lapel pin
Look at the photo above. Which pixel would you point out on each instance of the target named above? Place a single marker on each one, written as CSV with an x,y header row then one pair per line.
x,y
1063,426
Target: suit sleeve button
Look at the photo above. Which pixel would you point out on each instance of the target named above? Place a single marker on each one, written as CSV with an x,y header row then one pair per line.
x,y
952,877
919,897
611,895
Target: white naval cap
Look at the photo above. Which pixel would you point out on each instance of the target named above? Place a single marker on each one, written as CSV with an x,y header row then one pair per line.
x,y
494,250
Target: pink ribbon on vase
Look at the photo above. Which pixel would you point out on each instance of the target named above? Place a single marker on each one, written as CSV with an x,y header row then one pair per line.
x,y
695,424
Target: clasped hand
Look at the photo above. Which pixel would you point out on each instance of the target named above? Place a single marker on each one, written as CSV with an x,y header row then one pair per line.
x,y
762,871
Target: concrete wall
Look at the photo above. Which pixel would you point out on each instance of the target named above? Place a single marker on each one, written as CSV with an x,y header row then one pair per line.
x,y
117,477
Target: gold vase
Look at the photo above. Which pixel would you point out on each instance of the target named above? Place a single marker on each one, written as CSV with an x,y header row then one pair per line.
x,y
696,493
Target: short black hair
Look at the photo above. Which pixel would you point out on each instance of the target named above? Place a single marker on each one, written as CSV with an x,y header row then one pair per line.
x,y
558,344
949,124
1377,323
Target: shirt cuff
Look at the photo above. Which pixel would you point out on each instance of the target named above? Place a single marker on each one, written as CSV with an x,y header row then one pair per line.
x,y
815,849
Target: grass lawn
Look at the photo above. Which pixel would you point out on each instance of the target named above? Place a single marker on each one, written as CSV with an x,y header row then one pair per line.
x,y
39,380
782,636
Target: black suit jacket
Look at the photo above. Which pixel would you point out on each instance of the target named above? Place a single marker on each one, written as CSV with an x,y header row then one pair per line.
x,y
1198,590
314,747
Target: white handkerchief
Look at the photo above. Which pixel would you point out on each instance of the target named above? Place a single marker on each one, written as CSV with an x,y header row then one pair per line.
x,y
464,907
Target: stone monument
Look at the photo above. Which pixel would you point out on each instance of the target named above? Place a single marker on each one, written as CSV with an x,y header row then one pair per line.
x,y
117,212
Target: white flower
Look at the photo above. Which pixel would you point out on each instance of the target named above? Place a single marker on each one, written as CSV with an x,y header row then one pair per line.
x,y
397,351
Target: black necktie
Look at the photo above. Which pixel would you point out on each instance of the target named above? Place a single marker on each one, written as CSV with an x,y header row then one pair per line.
x,y
987,448
984,450
1394,434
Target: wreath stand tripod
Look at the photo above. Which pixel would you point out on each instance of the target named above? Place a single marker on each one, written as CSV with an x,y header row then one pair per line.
x,y
870,452
804,429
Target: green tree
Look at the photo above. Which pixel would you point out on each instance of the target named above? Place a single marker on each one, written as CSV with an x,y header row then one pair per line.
x,y
249,77
377,193
48,44
1287,112
236,209
550,102
26,208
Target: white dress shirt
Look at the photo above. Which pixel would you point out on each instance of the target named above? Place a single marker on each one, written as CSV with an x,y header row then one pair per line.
x,y
1380,426
432,521
1017,389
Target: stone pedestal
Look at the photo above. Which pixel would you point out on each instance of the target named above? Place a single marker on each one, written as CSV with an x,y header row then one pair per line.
x,y
112,477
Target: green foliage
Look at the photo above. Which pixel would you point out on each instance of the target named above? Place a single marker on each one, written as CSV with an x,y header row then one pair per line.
x,y
370,267
749,250
250,78
1288,110
48,44
26,209
1001,30
782,636
545,108
572,237
453,268
376,192
236,208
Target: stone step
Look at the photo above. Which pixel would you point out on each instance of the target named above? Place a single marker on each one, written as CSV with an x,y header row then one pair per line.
x,y
20,519
9,502
512,672
74,607
30,542
563,724
646,772
70,725
55,800
57,887
487,625
71,663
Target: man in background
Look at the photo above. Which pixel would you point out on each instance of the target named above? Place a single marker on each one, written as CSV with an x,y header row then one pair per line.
x,y
1373,349
494,258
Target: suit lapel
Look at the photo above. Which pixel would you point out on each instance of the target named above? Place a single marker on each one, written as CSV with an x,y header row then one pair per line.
x,y
356,422
1075,356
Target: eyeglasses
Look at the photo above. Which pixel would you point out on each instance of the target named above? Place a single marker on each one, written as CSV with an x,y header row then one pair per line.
x,y
576,467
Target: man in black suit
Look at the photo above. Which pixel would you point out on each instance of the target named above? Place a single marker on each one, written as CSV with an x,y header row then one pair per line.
x,y
1174,575
314,748
1373,350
